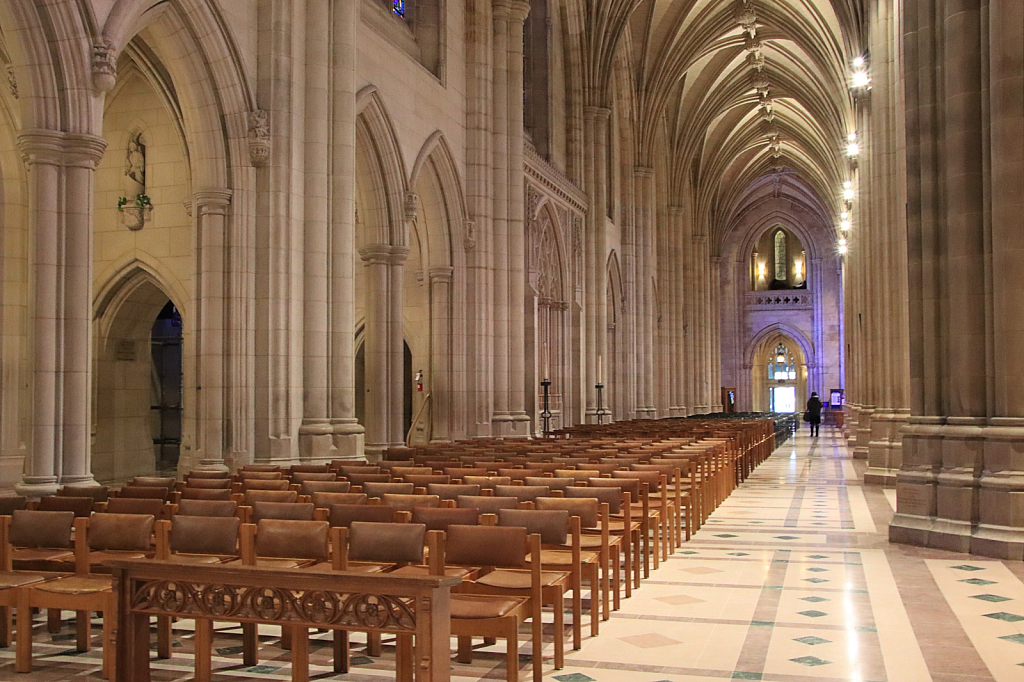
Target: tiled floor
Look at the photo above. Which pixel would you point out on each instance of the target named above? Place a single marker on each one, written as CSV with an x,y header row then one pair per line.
x,y
792,580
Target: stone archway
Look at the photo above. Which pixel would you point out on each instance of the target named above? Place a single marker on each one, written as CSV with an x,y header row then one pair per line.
x,y
768,373
127,383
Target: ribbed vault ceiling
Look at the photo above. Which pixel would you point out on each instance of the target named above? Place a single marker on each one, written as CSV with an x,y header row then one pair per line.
x,y
739,90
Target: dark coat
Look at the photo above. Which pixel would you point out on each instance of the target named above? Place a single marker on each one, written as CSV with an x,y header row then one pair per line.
x,y
814,410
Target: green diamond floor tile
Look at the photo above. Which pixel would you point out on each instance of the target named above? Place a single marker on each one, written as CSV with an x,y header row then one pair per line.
x,y
813,613
813,600
739,675
1019,639
1004,616
994,598
817,556
574,677
763,623
815,580
785,537
230,650
262,669
967,567
977,581
738,554
810,661
725,535
812,640
817,569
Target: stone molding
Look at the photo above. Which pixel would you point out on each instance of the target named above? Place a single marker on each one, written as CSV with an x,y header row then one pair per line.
x,y
212,201
56,148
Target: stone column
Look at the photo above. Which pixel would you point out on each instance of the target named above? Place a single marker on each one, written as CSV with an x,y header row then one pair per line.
x,y
702,327
81,155
642,211
376,258
714,282
677,357
315,432
1000,530
395,376
518,11
211,209
347,431
501,418
599,205
61,274
439,381
592,268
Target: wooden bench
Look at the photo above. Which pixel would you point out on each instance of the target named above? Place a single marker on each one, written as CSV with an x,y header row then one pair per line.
x,y
410,607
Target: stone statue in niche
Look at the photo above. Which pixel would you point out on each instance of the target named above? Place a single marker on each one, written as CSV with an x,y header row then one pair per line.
x,y
135,206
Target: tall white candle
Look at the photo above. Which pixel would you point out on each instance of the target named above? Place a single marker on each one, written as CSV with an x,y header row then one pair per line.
x,y
600,370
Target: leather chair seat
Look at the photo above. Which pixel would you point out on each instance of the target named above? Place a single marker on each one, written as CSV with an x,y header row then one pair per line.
x,y
563,557
11,579
273,562
199,559
477,608
517,580
36,554
353,567
423,571
97,557
77,584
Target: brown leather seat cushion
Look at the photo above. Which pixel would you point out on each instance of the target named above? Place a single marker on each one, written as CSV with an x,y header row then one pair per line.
x,y
441,518
151,492
124,532
552,525
11,579
286,538
612,496
324,500
451,491
41,529
353,567
99,493
9,503
296,511
198,559
281,564
523,493
586,508
77,584
280,484
487,482
386,542
410,502
135,505
553,483
153,482
97,558
311,487
345,514
217,508
471,607
309,477
209,483
374,489
487,505
421,571
205,535
81,506
205,494
486,545
518,580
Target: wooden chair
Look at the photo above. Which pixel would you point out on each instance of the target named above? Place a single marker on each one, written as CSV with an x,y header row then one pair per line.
x,y
451,491
560,551
496,608
11,580
193,540
203,494
81,592
215,508
295,511
10,503
307,488
487,504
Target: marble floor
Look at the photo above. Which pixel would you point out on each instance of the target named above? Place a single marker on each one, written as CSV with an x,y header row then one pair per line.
x,y
791,580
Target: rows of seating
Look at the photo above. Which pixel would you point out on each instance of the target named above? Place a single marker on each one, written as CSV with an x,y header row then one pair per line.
x,y
523,523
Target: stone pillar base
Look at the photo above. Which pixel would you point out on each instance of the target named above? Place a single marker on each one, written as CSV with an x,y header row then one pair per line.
x,y
1000,542
521,425
880,476
82,480
316,442
37,486
349,439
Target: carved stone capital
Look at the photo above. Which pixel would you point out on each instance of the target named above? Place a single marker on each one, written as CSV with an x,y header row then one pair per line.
x,y
212,201
61,149
104,65
469,235
12,81
442,275
412,206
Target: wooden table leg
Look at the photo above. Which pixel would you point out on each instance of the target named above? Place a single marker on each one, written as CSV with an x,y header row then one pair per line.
x,y
23,635
300,652
203,644
342,651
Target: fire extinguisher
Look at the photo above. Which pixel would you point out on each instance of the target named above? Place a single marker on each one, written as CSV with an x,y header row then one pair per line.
x,y
419,381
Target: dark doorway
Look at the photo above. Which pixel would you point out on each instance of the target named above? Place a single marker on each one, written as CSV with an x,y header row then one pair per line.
x,y
406,390
166,407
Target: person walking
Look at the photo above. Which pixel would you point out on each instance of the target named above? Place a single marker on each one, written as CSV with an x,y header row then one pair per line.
x,y
813,414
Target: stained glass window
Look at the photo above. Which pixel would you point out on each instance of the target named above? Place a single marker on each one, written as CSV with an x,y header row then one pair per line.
x,y
780,256
781,365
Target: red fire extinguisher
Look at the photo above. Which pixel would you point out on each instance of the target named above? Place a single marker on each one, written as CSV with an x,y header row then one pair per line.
x,y
419,381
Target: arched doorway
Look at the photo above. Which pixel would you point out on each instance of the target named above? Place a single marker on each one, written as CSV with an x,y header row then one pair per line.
x,y
138,381
779,374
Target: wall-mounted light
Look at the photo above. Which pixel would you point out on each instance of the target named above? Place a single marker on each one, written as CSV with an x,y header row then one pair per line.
x,y
844,225
761,270
848,191
799,269
842,241
860,78
852,146
843,248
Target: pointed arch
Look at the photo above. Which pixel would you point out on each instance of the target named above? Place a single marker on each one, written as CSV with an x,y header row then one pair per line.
x,y
379,160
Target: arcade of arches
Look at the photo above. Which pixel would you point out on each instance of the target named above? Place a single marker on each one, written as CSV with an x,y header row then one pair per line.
x,y
297,230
